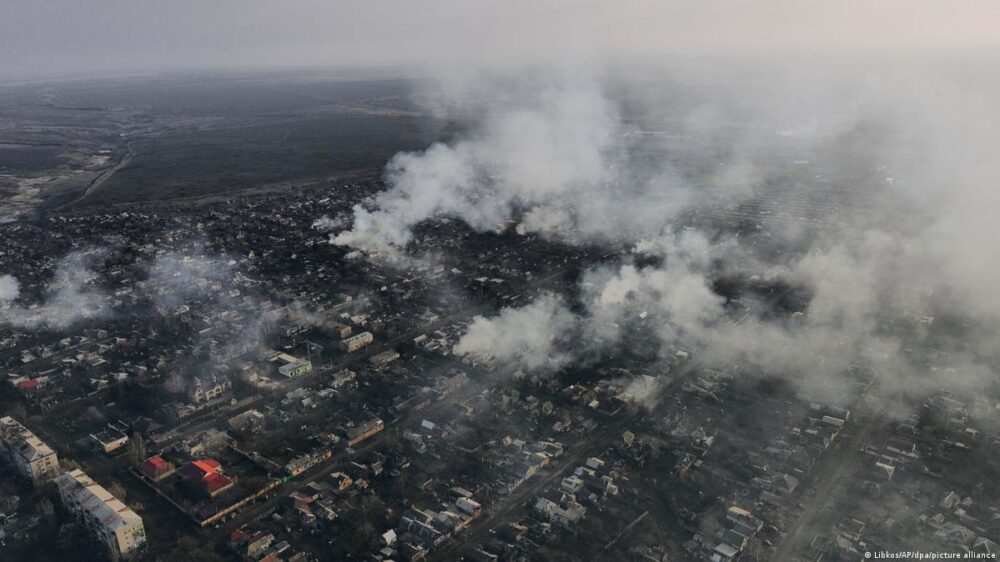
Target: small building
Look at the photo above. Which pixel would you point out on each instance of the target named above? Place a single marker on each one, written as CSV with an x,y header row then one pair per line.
x,y
468,506
156,468
343,376
361,432
250,547
572,513
342,330
207,474
302,463
743,521
341,481
724,553
29,385
384,358
571,484
296,368
203,441
358,341
248,420
110,439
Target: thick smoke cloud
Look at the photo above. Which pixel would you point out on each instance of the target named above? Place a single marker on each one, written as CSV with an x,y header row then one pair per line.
x,y
549,150
899,267
9,288
533,336
529,155
172,279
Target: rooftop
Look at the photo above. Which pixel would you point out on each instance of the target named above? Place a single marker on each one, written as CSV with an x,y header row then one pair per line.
x,y
23,440
95,499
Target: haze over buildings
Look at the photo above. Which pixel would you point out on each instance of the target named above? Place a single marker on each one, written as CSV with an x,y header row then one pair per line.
x,y
700,281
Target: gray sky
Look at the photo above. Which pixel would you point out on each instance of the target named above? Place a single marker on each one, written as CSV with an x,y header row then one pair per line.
x,y
41,38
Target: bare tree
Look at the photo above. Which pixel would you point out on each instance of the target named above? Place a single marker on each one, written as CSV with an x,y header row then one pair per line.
x,y
46,508
174,383
117,490
138,447
93,413
16,410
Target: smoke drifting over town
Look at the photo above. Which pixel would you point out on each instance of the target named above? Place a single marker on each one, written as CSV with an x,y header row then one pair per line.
x,y
533,336
9,288
70,296
75,293
533,154
566,155
176,277
686,280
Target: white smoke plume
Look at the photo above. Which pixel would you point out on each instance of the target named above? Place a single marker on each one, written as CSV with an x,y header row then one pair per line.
x,y
532,336
896,159
327,224
303,315
176,277
644,390
557,151
870,294
9,288
532,155
554,154
678,300
71,296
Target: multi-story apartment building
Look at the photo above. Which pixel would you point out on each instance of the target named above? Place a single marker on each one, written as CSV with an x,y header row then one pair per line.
x,y
110,520
29,454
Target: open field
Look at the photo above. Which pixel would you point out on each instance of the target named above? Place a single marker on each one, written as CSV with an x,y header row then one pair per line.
x,y
85,143
194,163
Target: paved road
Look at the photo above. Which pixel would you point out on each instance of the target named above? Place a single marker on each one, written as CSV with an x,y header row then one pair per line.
x,y
840,462
520,502
339,461
254,510
106,174
515,505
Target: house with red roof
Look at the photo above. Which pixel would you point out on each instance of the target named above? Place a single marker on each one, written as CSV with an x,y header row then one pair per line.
x,y
250,546
156,468
207,473
28,385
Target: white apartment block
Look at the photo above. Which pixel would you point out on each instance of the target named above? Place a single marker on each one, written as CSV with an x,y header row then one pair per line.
x,y
29,454
117,526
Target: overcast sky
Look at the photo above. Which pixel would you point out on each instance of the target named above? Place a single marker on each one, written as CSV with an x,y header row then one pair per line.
x,y
41,38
